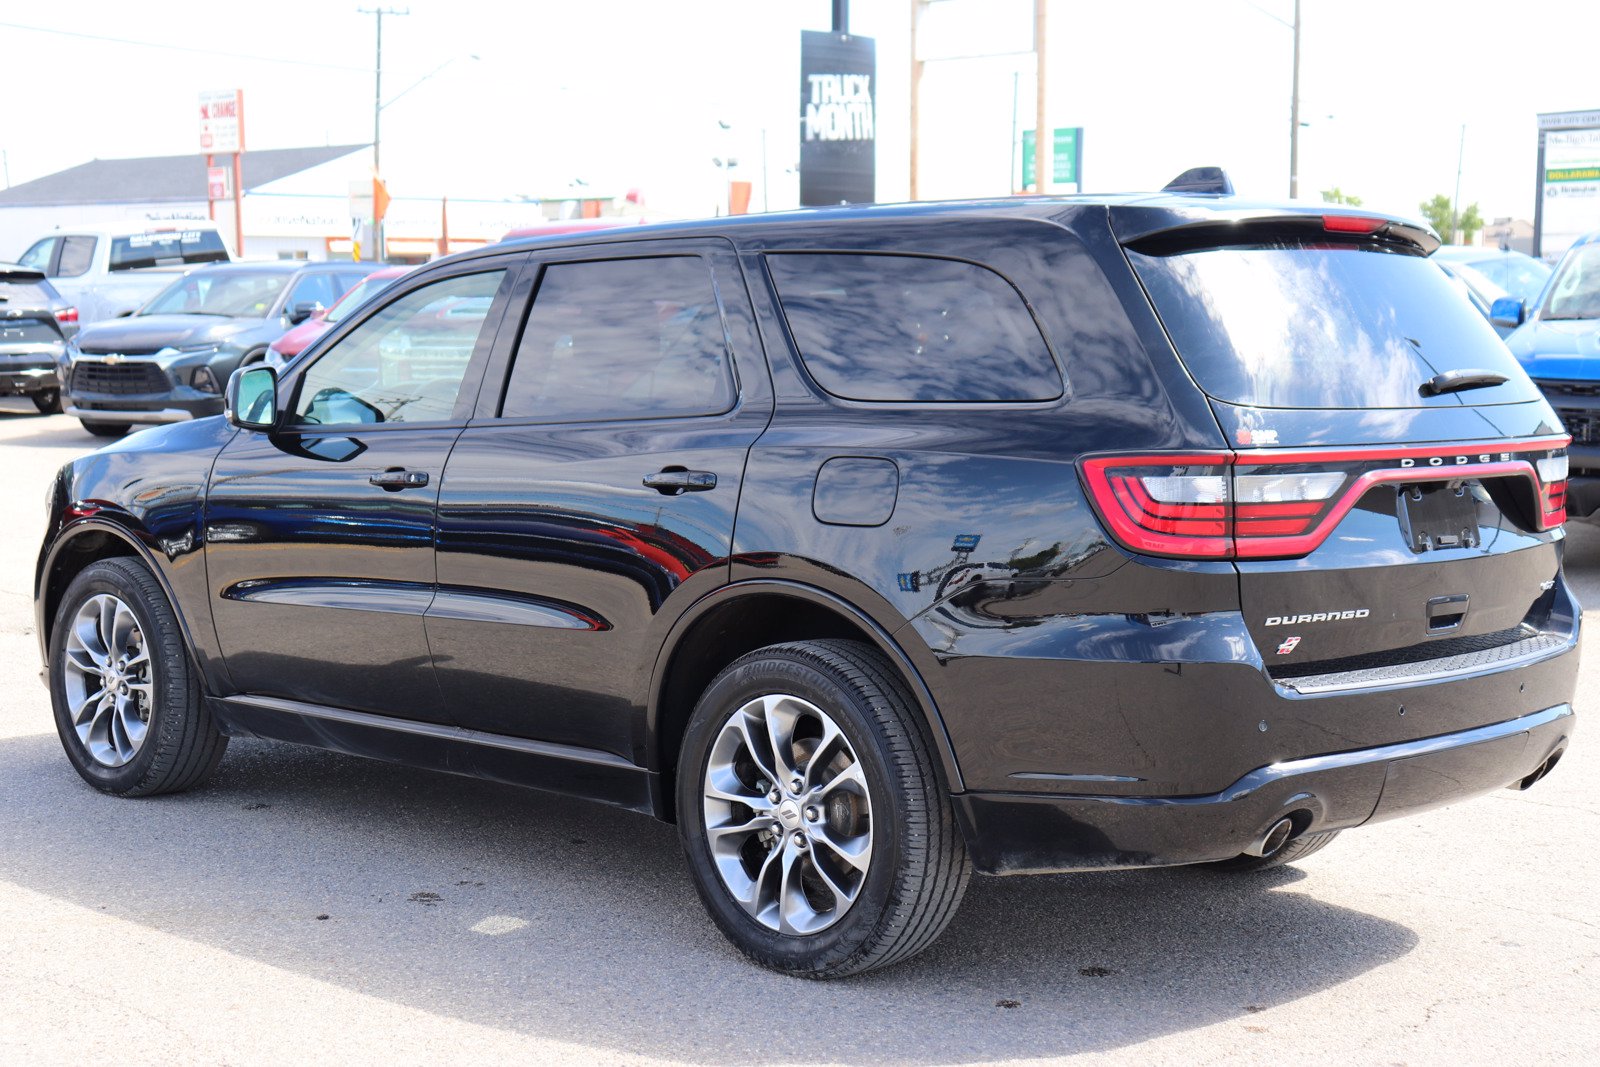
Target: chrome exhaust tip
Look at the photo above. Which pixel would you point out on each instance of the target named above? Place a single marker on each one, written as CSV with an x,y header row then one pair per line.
x,y
1274,839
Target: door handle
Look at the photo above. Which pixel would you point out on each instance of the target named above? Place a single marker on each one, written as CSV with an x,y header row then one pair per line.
x,y
397,478
675,480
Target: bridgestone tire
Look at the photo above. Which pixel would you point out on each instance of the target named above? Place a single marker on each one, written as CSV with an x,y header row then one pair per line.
x,y
182,744
106,429
919,867
1297,849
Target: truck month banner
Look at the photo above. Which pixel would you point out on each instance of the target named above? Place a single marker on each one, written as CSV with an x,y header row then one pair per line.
x,y
838,116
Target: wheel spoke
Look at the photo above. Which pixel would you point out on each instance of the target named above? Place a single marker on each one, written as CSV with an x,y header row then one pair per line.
x,y
855,851
832,738
780,722
851,778
755,743
743,829
843,897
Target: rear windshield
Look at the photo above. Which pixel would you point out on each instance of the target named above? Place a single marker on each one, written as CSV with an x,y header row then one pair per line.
x,y
1301,326
25,293
167,249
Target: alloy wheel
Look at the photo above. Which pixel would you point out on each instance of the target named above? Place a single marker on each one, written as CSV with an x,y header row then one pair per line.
x,y
787,814
109,680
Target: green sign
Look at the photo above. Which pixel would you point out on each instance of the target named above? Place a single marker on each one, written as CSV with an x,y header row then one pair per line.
x,y
1067,162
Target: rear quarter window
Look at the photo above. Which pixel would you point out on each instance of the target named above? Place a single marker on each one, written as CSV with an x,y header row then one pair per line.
x,y
912,329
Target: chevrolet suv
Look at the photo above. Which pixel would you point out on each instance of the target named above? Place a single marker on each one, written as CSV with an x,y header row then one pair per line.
x,y
873,546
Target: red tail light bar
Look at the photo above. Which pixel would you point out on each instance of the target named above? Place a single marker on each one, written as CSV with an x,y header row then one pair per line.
x,y
1284,503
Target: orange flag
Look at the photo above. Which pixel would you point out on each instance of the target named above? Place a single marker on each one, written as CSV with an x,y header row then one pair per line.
x,y
380,199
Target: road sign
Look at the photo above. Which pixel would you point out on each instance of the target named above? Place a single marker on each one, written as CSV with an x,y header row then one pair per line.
x,y
219,183
1066,161
222,121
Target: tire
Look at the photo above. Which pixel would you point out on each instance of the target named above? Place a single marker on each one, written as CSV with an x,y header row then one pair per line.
x,y
253,357
106,429
48,401
1297,848
878,797
156,734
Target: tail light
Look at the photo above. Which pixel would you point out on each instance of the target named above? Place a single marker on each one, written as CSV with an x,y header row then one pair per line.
x,y
1281,504
67,316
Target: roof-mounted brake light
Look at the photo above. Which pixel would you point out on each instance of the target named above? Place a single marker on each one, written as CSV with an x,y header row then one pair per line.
x,y
1352,224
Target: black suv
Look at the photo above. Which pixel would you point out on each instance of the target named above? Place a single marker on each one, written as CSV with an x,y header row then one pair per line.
x,y
170,360
872,545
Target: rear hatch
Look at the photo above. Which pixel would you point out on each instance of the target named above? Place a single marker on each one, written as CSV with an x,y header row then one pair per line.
x,y
28,323
1393,485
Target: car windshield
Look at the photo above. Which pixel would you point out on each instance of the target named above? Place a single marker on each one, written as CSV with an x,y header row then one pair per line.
x,y
1574,292
234,293
354,298
1521,276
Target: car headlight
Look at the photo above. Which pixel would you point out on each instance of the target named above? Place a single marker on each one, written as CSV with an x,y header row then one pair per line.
x,y
210,348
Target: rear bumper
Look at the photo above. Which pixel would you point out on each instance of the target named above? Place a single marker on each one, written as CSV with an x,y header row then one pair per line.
x,y
27,381
1014,833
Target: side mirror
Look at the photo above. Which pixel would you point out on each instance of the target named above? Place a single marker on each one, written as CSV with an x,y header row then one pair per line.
x,y
253,398
301,312
1508,311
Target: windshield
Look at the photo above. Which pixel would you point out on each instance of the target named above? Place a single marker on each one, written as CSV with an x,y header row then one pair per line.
x,y
234,293
1324,326
1575,290
1521,276
353,299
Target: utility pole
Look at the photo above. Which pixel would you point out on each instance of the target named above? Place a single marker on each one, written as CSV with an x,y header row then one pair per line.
x,y
916,89
1294,113
1455,201
377,118
1044,141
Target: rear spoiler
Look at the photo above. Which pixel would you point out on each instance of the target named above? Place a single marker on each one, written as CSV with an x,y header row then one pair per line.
x,y
1167,231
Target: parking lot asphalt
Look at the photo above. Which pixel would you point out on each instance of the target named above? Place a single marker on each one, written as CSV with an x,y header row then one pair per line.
x,y
314,907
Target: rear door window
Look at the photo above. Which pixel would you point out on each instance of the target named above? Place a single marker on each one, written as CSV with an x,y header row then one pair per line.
x,y
912,329
622,339
38,254
1324,326
171,248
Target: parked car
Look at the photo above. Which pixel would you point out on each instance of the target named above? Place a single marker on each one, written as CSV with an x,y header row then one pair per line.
x,y
294,342
1557,341
873,546
34,325
170,360
109,271
1489,275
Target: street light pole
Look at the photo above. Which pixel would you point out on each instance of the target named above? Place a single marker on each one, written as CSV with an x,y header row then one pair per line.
x,y
377,117
1294,113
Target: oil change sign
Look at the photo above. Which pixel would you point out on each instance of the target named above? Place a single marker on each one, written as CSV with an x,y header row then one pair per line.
x,y
1569,181
838,119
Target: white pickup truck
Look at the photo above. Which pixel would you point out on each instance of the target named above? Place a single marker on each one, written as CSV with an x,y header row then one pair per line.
x,y
107,271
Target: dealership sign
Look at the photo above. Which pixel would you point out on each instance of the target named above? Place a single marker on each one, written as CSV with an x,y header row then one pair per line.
x,y
1569,181
222,122
838,119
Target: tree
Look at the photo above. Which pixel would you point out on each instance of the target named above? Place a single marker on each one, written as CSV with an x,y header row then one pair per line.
x,y
1337,195
1437,212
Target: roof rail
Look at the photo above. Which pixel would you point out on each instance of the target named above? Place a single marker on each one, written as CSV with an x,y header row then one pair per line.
x,y
1201,180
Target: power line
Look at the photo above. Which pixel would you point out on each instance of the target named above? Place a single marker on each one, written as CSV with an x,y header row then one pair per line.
x,y
183,48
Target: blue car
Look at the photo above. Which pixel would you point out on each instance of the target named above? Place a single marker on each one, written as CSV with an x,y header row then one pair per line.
x,y
1557,341
1490,274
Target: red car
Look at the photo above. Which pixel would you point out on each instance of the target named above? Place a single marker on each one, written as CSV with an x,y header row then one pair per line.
x,y
295,341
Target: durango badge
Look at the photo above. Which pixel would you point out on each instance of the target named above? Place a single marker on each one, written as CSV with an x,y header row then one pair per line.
x,y
1321,616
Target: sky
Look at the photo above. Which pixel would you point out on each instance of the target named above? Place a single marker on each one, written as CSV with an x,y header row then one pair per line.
x,y
552,98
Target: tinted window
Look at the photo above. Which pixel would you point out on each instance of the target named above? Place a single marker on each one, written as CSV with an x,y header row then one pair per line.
x,y
235,293
356,297
1323,327
77,253
622,339
163,249
910,328
406,362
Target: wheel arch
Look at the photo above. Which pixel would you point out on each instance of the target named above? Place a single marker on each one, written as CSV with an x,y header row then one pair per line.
x,y
82,544
740,618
